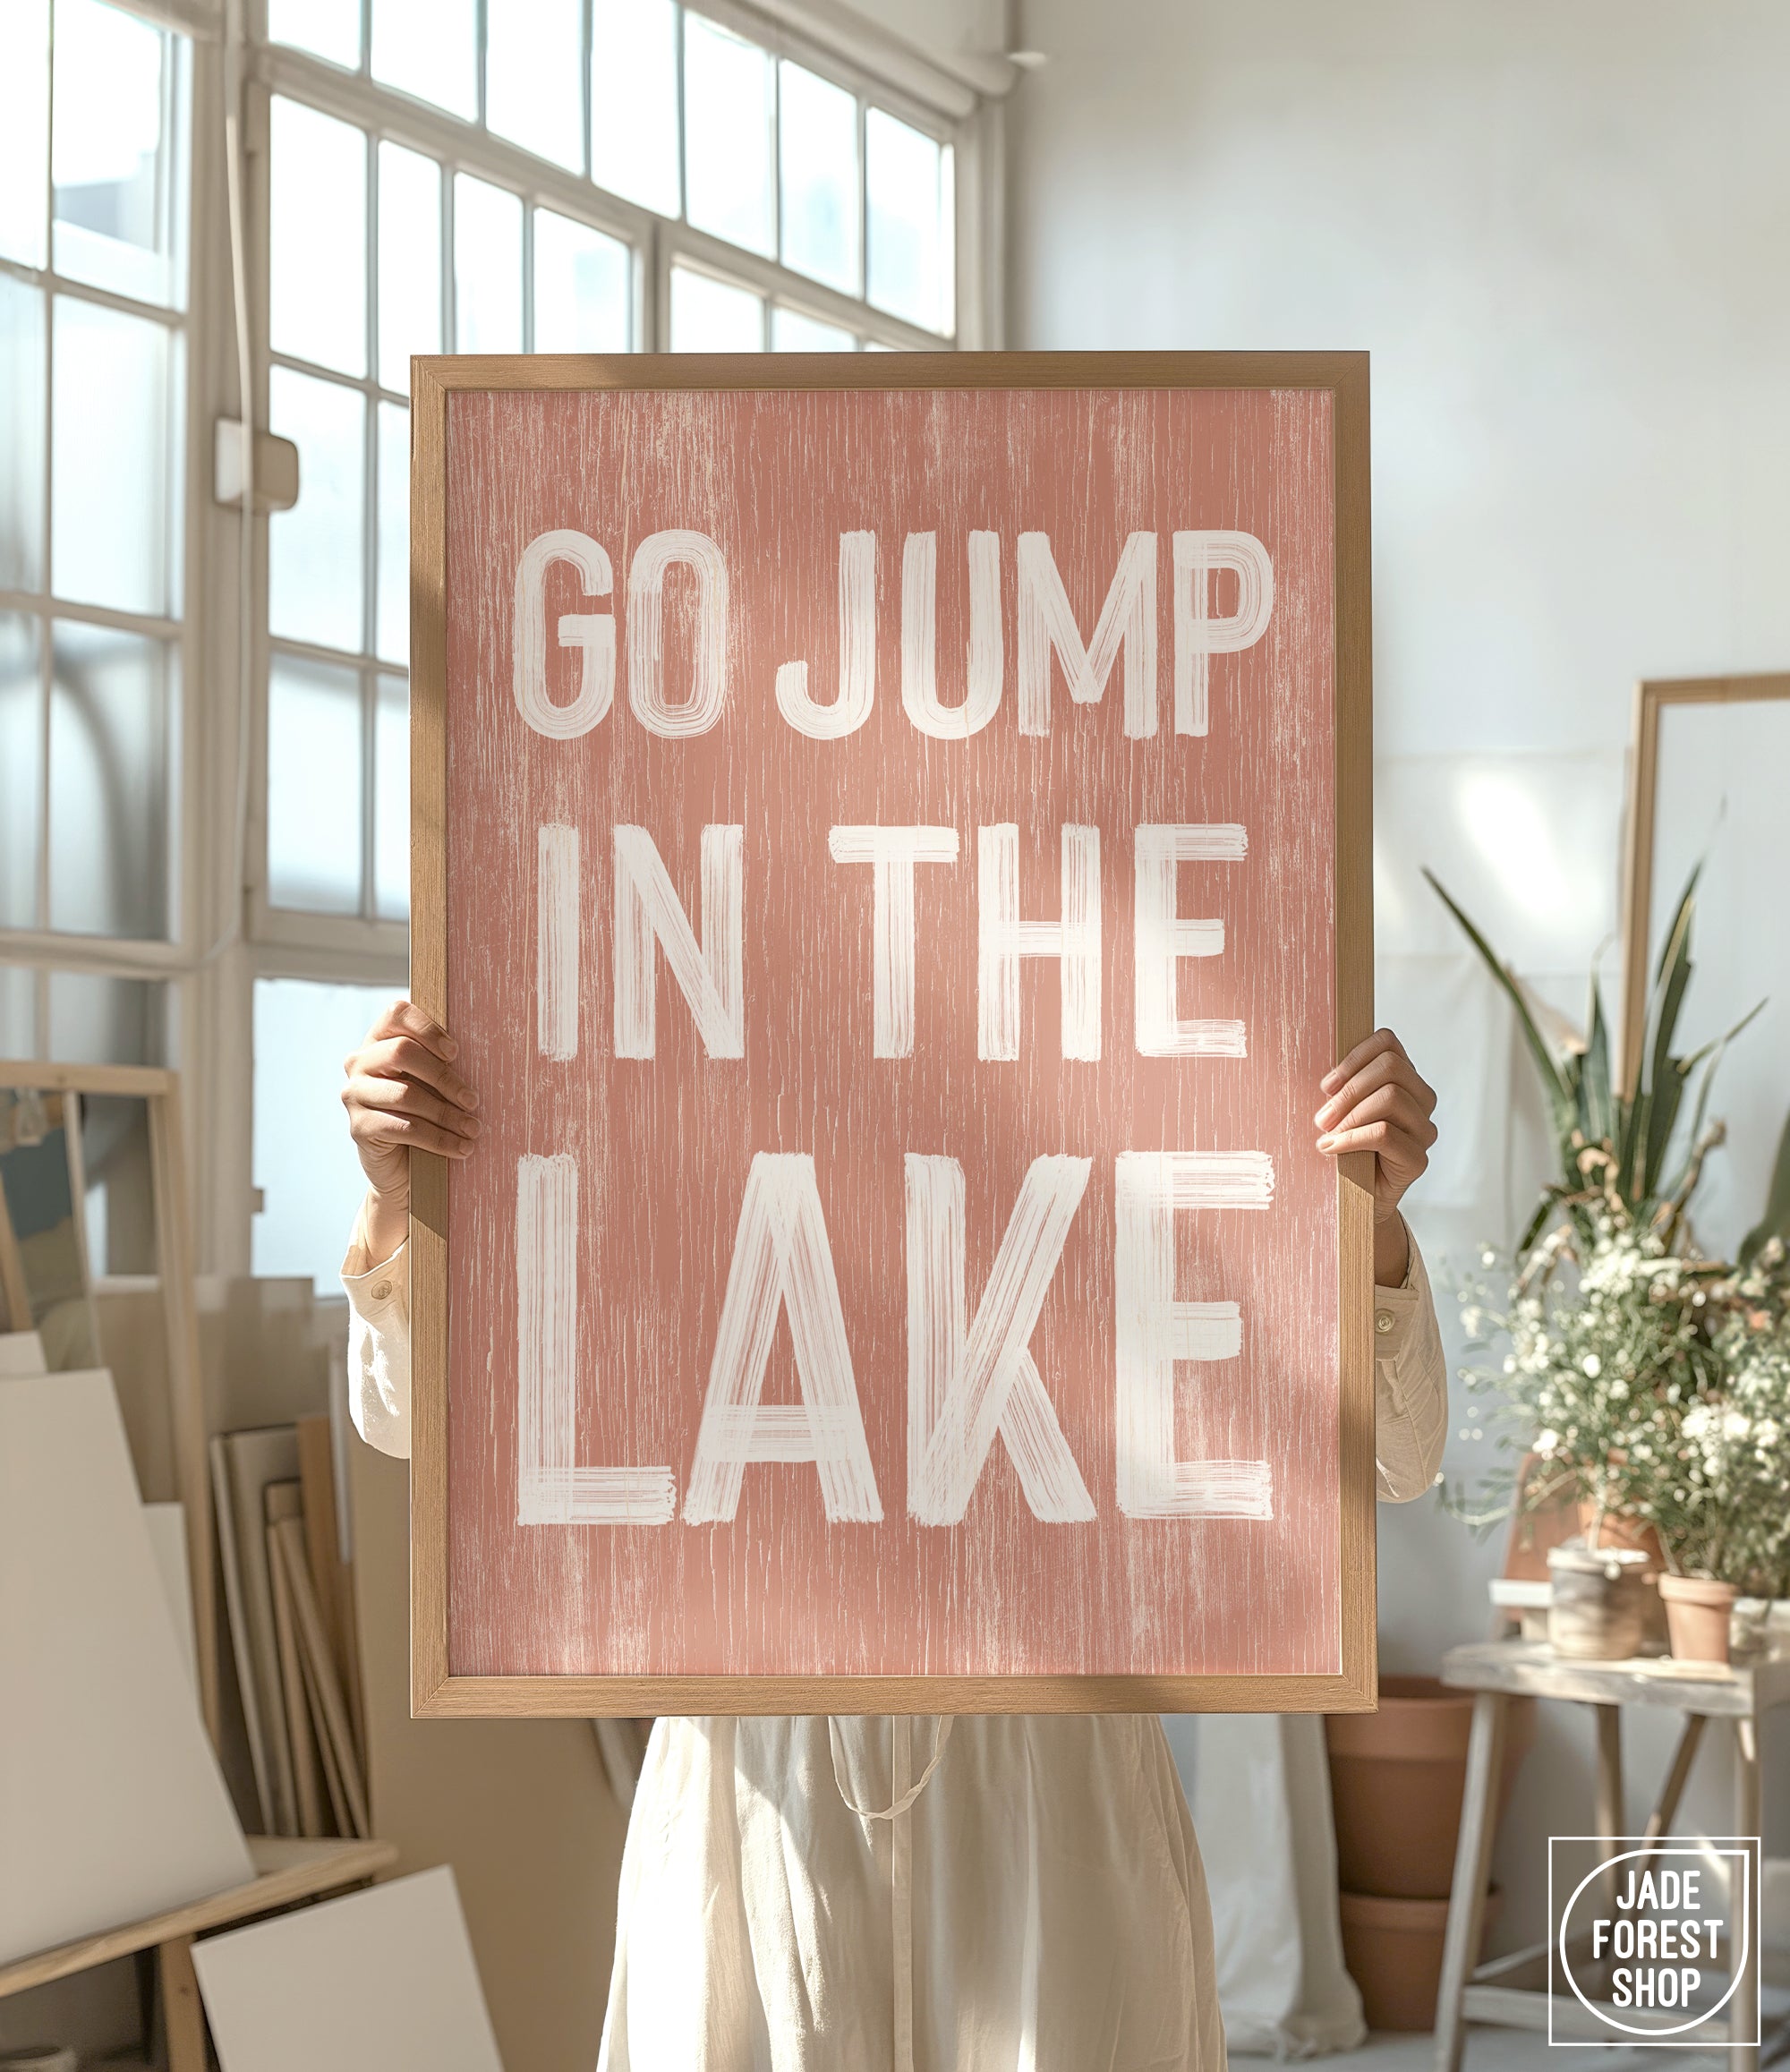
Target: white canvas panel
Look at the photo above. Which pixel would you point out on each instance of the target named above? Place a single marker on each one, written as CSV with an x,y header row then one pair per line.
x,y
112,1805
21,1352
167,1537
383,1981
243,1464
1530,845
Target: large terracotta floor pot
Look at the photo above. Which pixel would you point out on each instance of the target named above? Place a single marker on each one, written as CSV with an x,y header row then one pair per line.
x,y
1392,1949
1396,1779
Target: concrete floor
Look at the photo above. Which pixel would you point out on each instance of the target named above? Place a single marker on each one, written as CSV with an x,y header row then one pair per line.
x,y
1523,2051
1518,2051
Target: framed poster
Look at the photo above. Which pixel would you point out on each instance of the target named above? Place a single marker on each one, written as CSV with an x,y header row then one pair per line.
x,y
890,841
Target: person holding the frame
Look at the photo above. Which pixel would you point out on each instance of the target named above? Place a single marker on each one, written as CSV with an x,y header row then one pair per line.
x,y
1055,1913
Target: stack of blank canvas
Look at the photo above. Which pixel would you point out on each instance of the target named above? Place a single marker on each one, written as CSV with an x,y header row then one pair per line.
x,y
287,1591
112,1804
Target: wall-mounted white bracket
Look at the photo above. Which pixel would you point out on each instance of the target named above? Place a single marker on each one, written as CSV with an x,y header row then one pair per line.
x,y
276,467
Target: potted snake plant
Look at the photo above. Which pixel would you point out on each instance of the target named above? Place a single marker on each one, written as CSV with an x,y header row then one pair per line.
x,y
1635,1374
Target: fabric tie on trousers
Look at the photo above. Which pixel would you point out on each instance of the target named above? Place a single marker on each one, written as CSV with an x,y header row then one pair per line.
x,y
900,1857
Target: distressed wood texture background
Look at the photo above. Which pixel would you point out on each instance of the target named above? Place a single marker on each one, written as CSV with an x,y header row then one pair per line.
x,y
662,1145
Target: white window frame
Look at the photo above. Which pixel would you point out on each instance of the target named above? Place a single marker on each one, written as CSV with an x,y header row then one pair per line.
x,y
200,1021
377,949
224,934
43,949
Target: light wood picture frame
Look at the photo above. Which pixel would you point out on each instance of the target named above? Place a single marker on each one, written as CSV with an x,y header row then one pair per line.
x,y
443,387
159,1090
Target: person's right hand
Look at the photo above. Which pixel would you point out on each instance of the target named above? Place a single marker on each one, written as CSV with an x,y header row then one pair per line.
x,y
403,1094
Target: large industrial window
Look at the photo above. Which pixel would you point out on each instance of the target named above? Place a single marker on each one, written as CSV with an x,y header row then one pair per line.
x,y
94,123
567,175
429,190
204,842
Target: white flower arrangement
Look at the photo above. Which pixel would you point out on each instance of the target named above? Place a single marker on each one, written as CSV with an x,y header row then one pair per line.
x,y
1724,1508
1654,1384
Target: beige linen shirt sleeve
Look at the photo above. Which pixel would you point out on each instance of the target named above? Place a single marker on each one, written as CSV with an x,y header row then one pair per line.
x,y
1410,1376
378,1345
1411,1386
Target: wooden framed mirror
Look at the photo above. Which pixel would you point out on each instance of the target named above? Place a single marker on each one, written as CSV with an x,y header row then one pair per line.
x,y
53,1096
1706,786
46,1275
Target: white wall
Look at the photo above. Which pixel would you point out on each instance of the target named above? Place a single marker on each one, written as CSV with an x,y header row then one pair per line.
x,y
943,30
1563,234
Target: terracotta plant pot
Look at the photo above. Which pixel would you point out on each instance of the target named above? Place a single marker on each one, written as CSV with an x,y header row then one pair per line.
x,y
1396,1779
1392,1949
1697,1614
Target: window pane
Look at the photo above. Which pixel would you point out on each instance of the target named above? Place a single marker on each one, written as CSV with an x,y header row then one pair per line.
x,y
730,118
314,574
634,101
710,316
107,1021
24,130
792,332
119,201
392,611
112,709
818,141
487,267
18,1011
391,800
21,435
114,448
304,1164
409,261
314,756
581,287
327,28
430,48
912,240
116,1159
317,266
534,94
20,771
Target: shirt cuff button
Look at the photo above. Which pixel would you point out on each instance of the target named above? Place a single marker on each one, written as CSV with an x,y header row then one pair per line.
x,y
1383,1321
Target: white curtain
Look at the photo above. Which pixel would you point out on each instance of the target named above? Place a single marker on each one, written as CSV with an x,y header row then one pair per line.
x,y
1259,1788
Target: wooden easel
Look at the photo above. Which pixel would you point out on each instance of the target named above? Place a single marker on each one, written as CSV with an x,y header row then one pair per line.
x,y
16,1297
287,1873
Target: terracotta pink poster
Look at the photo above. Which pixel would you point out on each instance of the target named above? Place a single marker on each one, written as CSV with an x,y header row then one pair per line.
x,y
891,865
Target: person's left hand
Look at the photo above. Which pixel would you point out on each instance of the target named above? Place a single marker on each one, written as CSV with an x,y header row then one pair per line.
x,y
1375,1101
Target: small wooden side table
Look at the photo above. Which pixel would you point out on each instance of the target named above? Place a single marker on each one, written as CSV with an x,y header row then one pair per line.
x,y
287,1872
1512,1991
